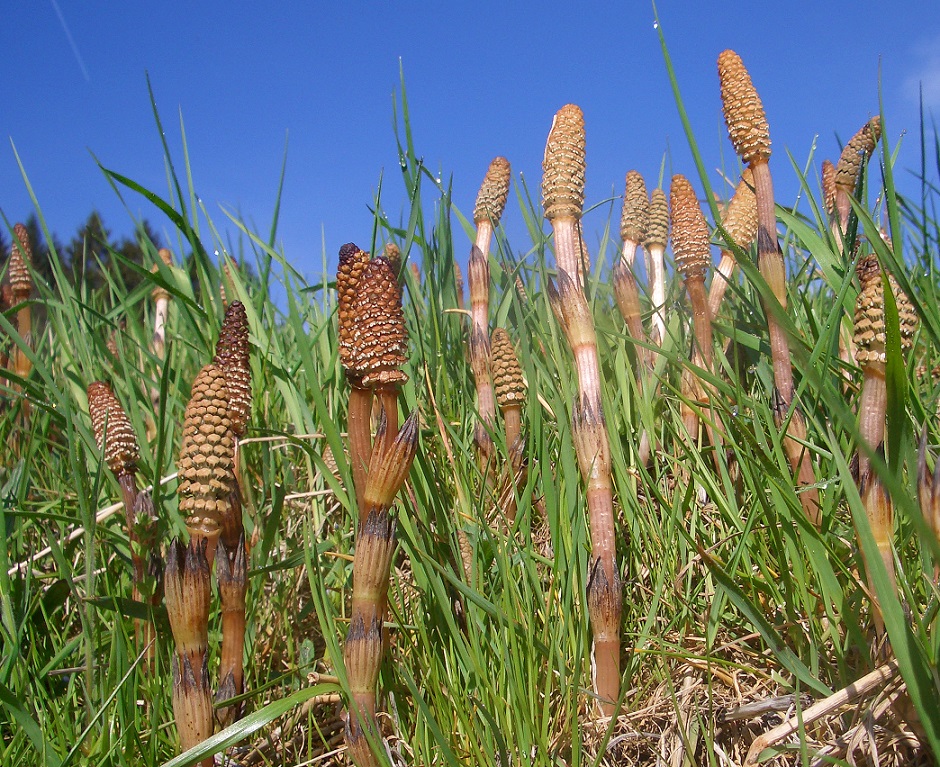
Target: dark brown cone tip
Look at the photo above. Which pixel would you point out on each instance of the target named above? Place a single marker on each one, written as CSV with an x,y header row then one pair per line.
x,y
113,431
743,110
232,357
491,199
634,218
21,256
563,165
657,231
856,153
508,381
376,343
689,230
206,463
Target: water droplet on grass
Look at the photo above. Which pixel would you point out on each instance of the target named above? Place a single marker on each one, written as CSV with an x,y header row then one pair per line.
x,y
655,25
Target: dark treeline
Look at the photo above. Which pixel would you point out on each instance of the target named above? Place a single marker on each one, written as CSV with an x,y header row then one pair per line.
x,y
88,253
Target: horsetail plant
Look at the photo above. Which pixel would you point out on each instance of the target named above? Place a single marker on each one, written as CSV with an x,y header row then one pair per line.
x,y
634,220
849,171
206,489
116,439
373,351
510,387
232,358
657,238
21,286
740,224
928,492
750,135
693,257
563,198
490,203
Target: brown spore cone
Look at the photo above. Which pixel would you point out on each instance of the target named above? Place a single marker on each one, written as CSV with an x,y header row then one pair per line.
x,y
634,218
113,431
491,199
352,264
21,256
232,358
689,229
856,154
206,473
743,110
740,220
657,229
375,347
563,165
870,333
829,186
508,382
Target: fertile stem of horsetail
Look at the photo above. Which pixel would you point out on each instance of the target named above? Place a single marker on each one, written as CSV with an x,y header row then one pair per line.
x,y
693,256
232,358
375,544
879,510
21,283
634,217
352,263
490,203
373,351
376,347
563,198
657,238
740,225
207,457
849,170
633,224
161,300
750,135
187,604
510,395
870,354
115,437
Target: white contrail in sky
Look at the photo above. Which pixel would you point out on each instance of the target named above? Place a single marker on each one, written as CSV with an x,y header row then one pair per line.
x,y
65,27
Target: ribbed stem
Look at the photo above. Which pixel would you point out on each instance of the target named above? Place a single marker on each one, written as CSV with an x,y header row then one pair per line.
x,y
512,419
387,397
627,296
719,286
657,279
231,573
568,248
770,262
628,253
359,435
480,341
872,411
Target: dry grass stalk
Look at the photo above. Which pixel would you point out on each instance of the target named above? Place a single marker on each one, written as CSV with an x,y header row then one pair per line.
x,y
187,603
563,198
750,135
849,170
232,357
510,389
161,299
657,238
740,223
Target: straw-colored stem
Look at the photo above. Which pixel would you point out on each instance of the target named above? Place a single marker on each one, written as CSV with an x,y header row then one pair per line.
x,y
627,296
872,411
656,270
359,434
723,276
770,262
24,326
568,248
512,419
387,397
628,253
231,572
480,343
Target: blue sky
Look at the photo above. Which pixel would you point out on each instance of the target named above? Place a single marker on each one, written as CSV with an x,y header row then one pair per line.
x,y
483,79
